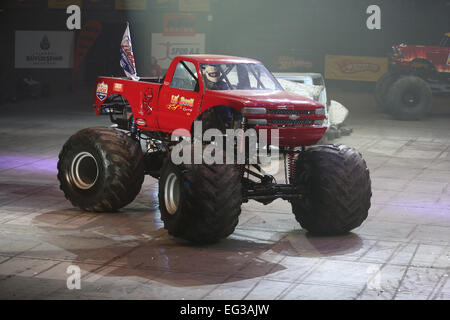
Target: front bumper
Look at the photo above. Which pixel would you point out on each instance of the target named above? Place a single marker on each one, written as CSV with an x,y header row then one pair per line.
x,y
293,136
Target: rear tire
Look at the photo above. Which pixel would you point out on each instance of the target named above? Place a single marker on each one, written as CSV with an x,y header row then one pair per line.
x,y
337,189
100,169
409,98
381,89
200,203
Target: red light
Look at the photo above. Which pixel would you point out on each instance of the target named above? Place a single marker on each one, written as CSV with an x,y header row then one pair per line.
x,y
141,122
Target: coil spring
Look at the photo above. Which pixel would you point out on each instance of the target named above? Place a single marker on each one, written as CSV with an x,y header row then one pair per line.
x,y
241,169
292,159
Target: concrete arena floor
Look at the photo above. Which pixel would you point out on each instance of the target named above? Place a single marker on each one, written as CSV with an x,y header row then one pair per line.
x,y
402,251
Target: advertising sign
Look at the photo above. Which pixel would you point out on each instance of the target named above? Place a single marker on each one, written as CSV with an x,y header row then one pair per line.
x,y
355,68
165,48
179,24
98,4
193,5
44,49
164,5
290,63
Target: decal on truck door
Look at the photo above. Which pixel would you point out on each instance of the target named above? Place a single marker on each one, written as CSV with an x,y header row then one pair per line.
x,y
182,103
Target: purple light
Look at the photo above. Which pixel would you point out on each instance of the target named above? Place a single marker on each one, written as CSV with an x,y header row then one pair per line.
x,y
27,163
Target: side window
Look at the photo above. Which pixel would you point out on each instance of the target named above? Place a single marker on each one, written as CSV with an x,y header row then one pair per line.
x,y
185,76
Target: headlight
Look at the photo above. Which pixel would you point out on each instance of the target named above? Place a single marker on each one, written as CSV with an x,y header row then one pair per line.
x,y
258,122
254,110
318,123
320,111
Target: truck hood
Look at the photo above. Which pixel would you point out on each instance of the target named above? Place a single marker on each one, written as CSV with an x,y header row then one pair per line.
x,y
252,98
413,46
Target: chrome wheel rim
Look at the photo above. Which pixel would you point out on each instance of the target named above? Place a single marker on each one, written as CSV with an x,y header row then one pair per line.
x,y
84,170
172,193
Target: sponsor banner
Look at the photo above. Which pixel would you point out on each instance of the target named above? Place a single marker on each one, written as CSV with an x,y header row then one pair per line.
x,y
44,49
193,5
164,5
289,63
355,68
165,48
179,24
62,4
131,4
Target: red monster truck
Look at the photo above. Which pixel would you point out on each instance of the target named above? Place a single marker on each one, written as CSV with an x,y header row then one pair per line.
x,y
415,72
102,169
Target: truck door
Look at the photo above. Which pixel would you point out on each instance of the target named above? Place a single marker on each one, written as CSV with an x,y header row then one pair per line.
x,y
440,56
180,99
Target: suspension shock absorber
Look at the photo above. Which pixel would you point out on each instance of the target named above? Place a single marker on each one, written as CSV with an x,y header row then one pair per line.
x,y
292,159
241,147
241,169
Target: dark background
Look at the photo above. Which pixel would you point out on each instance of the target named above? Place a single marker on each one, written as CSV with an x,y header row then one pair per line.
x,y
261,29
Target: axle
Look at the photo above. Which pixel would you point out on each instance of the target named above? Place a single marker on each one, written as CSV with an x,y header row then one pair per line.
x,y
267,190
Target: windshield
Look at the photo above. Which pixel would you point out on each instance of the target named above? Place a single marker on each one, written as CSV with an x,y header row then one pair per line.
x,y
238,76
445,42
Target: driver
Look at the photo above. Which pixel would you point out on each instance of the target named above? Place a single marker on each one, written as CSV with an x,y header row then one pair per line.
x,y
212,76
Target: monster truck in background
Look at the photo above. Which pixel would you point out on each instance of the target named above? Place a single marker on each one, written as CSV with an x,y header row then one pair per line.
x,y
415,73
101,169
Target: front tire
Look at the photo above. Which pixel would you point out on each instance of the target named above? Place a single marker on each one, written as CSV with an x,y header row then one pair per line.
x,y
100,169
337,188
200,203
409,98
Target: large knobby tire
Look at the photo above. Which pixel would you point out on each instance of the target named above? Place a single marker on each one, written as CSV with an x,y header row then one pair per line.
x,y
409,98
100,169
200,203
382,86
337,189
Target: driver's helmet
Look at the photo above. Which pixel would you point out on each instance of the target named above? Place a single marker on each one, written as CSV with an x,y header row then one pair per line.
x,y
212,73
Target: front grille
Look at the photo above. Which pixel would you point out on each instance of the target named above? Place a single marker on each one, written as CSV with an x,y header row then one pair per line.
x,y
287,122
285,111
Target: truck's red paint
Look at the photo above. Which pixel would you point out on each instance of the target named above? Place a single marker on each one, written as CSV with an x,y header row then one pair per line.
x,y
154,110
